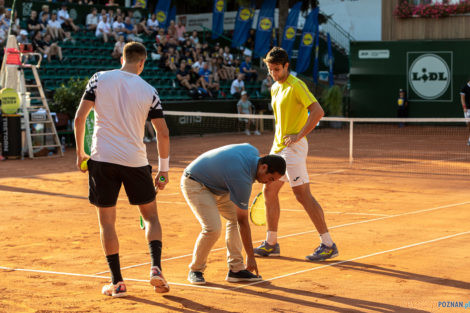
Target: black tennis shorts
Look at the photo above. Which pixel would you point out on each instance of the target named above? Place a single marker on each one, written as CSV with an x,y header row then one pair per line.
x,y
105,180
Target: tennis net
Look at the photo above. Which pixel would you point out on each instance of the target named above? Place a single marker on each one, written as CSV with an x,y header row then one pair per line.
x,y
418,145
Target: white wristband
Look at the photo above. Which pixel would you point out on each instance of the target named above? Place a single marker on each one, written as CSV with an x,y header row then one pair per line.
x,y
164,164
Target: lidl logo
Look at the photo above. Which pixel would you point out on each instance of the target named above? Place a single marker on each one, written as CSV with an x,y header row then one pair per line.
x,y
265,23
307,40
161,16
429,75
290,32
245,14
219,5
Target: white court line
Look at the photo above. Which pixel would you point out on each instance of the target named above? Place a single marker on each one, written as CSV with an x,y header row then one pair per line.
x,y
311,231
355,259
251,284
349,213
96,276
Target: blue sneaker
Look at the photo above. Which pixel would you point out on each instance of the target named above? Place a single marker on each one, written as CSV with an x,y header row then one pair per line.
x,y
322,253
267,250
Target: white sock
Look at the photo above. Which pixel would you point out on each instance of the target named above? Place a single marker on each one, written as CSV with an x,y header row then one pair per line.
x,y
271,237
326,239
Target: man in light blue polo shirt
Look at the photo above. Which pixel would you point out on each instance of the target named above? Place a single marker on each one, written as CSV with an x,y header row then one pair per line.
x,y
218,183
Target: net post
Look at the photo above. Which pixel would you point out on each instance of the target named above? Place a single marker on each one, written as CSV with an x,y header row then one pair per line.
x,y
351,136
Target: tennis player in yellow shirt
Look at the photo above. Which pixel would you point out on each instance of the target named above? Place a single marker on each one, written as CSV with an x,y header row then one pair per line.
x,y
296,112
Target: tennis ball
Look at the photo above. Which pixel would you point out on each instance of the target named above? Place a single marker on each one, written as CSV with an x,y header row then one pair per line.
x,y
84,165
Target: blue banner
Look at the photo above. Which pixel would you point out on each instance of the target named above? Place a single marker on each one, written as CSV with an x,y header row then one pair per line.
x,y
307,41
172,15
317,51
288,37
218,18
331,80
243,24
264,27
162,11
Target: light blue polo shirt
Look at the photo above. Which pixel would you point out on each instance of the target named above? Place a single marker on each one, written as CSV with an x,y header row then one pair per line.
x,y
230,169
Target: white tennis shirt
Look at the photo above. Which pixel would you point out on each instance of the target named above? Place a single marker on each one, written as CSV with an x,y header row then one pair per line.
x,y
123,101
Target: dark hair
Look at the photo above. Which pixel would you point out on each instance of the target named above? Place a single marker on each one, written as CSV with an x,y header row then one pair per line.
x,y
277,55
275,163
134,52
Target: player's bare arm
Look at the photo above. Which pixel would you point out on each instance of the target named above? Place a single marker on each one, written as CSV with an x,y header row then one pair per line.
x,y
316,113
163,145
80,119
245,233
462,100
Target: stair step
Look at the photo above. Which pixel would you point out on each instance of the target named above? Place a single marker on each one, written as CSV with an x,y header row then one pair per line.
x,y
42,134
46,146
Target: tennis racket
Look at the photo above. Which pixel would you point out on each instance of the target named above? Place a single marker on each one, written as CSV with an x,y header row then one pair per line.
x,y
258,210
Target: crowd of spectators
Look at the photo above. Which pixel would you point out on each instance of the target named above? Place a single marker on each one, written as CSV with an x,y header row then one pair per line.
x,y
199,68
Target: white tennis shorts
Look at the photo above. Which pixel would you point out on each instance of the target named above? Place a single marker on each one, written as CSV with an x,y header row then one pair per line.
x,y
296,163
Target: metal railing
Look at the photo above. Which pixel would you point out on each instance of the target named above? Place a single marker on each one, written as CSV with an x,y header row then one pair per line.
x,y
338,34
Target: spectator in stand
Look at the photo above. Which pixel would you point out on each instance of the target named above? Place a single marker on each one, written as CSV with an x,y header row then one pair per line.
x,y
183,76
141,28
118,48
23,42
33,22
134,19
131,31
208,80
228,57
15,26
244,106
194,77
92,19
266,86
219,68
180,31
172,60
237,86
152,24
119,28
236,66
44,10
65,21
194,38
45,47
44,23
54,49
103,30
245,68
188,57
54,28
172,35
5,20
199,62
111,17
160,35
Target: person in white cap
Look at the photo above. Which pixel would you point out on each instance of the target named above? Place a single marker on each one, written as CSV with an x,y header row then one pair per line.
x,y
244,106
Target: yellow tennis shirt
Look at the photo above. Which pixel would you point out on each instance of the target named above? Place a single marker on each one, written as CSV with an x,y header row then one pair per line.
x,y
290,101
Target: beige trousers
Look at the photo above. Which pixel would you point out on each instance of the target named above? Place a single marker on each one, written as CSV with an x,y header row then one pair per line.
x,y
207,207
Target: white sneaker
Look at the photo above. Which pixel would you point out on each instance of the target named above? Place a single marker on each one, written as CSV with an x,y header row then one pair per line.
x,y
158,281
117,291
257,133
247,132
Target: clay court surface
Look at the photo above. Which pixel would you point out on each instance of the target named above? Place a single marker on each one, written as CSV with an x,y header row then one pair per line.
x,y
401,226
